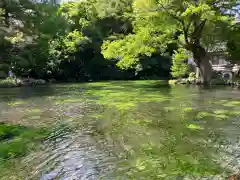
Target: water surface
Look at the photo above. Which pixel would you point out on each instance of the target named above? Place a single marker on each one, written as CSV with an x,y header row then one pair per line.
x,y
124,130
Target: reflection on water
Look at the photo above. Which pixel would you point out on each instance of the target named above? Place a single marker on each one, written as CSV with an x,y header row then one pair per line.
x,y
125,130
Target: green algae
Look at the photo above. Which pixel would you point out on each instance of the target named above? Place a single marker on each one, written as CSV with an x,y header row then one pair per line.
x,y
16,103
121,96
16,141
194,126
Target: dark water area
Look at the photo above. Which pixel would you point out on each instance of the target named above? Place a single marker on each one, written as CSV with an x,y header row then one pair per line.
x,y
119,130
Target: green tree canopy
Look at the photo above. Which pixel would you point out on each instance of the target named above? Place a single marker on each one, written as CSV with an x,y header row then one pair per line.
x,y
193,25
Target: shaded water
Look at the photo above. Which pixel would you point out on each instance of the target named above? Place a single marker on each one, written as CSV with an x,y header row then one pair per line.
x,y
125,130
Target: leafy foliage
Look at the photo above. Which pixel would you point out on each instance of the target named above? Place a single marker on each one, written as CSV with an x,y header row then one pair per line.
x,y
79,39
194,26
180,66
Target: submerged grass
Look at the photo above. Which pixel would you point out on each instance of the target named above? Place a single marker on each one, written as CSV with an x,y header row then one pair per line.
x,y
161,132
124,95
16,140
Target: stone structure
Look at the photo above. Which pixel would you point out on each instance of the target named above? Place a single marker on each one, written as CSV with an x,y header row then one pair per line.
x,y
221,64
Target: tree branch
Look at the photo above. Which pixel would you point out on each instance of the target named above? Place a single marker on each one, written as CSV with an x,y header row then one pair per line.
x,y
185,28
196,35
170,14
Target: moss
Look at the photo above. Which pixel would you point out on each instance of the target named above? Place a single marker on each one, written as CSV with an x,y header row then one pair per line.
x,y
9,131
16,141
168,109
221,112
234,113
194,126
16,103
231,103
215,115
34,110
201,115
69,100
221,117
121,96
188,109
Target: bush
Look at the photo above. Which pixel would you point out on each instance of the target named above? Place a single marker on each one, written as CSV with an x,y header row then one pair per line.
x,y
180,66
192,77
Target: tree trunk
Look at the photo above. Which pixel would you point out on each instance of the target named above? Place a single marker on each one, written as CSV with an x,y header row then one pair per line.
x,y
205,71
203,65
201,59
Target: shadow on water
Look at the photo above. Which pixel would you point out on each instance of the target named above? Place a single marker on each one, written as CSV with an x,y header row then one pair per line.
x,y
8,94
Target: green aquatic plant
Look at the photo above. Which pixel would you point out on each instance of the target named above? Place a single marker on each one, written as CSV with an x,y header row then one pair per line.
x,y
234,113
168,109
215,115
123,96
231,103
201,115
16,103
188,109
194,126
18,140
34,110
9,131
221,112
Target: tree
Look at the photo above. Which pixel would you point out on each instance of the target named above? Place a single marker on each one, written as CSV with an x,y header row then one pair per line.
x,y
194,25
92,22
26,29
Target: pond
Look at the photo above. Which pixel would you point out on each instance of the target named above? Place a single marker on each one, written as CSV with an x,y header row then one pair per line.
x,y
119,130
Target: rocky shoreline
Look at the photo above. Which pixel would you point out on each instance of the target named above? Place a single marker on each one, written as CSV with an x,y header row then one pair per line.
x,y
217,80
235,83
19,82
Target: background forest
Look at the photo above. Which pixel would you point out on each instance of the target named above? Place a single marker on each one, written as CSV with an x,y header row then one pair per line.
x,y
114,39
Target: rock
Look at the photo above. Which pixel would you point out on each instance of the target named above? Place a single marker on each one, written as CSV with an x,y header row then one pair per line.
x,y
19,82
172,81
198,82
31,81
39,82
184,81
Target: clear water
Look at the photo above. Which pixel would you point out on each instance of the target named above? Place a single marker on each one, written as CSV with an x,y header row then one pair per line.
x,y
125,130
